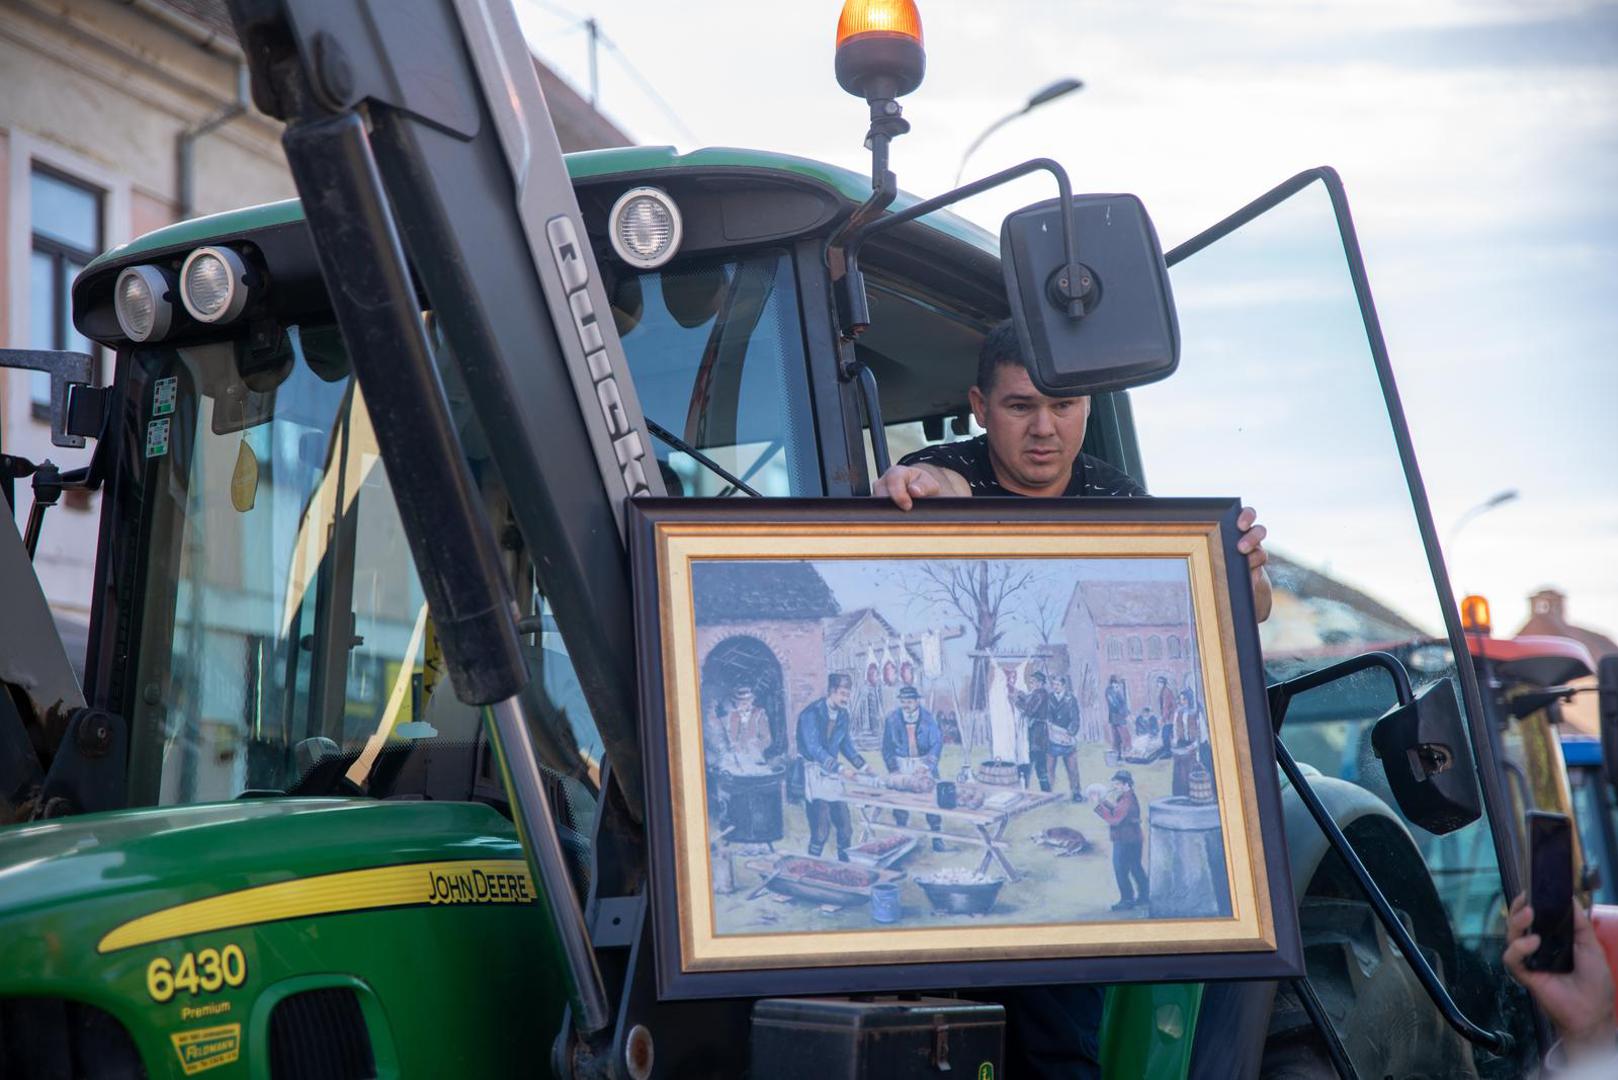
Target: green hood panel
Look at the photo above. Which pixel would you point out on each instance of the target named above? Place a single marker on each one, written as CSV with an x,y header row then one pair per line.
x,y
189,925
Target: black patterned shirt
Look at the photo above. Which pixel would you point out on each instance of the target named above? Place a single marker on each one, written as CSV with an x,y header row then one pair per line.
x,y
970,458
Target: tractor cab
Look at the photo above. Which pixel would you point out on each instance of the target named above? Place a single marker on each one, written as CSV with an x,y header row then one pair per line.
x,y
263,632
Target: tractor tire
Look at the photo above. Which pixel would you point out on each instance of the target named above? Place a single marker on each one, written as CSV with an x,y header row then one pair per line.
x,y
1382,1014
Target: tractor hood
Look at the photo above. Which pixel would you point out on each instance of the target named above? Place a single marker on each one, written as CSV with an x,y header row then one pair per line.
x,y
171,855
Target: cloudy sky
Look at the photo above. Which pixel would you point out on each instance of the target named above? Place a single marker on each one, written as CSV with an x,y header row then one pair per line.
x,y
1478,142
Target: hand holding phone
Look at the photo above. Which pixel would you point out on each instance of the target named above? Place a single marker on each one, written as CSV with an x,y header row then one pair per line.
x,y
1550,890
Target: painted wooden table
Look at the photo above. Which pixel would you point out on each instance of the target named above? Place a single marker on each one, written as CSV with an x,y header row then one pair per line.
x,y
987,824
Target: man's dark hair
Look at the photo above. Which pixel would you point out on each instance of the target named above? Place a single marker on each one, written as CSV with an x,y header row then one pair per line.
x,y
1038,676
836,679
1000,348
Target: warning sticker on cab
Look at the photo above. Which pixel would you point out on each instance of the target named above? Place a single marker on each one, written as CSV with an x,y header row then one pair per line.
x,y
157,438
163,394
206,1048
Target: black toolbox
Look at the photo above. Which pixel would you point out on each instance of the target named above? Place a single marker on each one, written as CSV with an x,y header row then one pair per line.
x,y
876,1038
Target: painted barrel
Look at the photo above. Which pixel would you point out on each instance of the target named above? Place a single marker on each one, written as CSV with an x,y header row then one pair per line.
x,y
752,806
1187,859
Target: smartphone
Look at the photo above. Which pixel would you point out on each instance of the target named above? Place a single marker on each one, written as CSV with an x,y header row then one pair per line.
x,y
1550,890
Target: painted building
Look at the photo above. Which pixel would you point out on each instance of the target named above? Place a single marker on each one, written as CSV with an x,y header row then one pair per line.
x,y
1139,631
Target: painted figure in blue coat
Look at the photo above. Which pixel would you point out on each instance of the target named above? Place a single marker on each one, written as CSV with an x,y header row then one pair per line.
x,y
823,739
911,742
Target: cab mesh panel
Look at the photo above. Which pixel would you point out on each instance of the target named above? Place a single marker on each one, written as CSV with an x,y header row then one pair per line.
x,y
320,1035
47,1038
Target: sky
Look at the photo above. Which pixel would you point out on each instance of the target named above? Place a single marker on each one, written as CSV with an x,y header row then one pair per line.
x,y
1477,141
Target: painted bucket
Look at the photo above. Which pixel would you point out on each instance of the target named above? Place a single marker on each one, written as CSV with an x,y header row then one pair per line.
x,y
885,902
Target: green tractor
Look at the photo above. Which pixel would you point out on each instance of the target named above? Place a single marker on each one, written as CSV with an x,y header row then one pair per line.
x,y
353,787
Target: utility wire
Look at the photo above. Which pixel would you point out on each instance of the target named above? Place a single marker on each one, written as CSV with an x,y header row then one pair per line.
x,y
648,89
580,22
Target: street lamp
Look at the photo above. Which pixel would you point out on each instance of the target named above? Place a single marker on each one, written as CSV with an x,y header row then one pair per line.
x,y
1059,88
1498,499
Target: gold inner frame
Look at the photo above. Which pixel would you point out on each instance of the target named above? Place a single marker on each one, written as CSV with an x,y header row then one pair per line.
x,y
1250,926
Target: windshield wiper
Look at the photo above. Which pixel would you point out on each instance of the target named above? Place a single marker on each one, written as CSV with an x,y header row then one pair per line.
x,y
698,456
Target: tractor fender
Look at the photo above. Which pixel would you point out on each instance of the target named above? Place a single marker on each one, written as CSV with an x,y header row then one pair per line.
x,y
1348,804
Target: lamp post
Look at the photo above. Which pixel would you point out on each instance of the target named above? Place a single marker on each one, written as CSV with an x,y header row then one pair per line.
x,y
1498,499
1059,88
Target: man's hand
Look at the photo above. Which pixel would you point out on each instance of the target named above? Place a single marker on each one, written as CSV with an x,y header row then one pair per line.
x,y
1578,1002
906,483
1251,544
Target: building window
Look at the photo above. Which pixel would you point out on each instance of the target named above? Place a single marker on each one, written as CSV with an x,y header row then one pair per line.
x,y
1174,647
1136,652
66,226
1154,648
1115,649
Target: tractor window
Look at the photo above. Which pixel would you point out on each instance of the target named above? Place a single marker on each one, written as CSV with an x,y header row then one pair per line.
x,y
282,642
1597,818
716,350
1278,400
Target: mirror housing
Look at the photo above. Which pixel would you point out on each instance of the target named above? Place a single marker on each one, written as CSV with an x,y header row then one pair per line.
x,y
1607,709
1125,332
1427,758
67,370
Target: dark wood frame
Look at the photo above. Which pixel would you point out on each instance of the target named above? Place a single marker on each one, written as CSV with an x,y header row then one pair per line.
x,y
674,981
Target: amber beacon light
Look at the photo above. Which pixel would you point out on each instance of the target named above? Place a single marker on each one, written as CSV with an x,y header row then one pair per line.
x,y
1475,615
879,49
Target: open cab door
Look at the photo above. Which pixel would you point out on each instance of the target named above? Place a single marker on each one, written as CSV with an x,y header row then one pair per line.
x,y
1284,396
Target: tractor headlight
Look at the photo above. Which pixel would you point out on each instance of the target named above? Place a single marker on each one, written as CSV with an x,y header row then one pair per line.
x,y
645,227
143,300
213,284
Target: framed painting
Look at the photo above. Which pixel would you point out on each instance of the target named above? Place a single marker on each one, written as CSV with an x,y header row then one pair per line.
x,y
982,742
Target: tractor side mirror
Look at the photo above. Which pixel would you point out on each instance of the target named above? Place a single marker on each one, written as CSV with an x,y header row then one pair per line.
x,y
1121,330
1607,709
67,370
1428,761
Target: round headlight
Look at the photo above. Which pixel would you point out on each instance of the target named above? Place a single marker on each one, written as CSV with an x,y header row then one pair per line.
x,y
142,299
213,284
645,227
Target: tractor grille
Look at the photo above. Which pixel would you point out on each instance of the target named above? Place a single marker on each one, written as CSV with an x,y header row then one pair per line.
x,y
320,1035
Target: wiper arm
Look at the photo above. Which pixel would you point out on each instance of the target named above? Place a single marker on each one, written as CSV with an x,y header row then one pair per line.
x,y
697,455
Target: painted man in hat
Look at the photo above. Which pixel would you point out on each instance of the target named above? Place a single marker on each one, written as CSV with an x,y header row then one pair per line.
x,y
824,740
1121,811
1035,709
1063,736
911,743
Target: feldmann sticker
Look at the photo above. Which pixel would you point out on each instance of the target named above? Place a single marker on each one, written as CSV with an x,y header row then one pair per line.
x,y
206,1048
163,392
157,438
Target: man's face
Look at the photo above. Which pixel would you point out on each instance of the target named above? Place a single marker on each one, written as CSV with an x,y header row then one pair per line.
x,y
1062,688
1033,439
911,707
1118,788
839,696
744,701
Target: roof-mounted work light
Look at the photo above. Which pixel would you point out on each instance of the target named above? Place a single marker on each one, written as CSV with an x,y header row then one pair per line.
x,y
213,284
143,301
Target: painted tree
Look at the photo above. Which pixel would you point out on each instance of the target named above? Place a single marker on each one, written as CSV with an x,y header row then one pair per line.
x,y
980,591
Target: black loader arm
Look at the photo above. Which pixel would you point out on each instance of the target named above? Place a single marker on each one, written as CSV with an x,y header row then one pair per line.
x,y
419,126
480,198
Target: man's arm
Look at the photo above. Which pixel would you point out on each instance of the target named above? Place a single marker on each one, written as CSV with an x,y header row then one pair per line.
x,y
890,742
809,741
906,483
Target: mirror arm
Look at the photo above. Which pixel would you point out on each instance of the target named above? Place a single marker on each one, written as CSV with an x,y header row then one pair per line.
x,y
1282,693
1496,1042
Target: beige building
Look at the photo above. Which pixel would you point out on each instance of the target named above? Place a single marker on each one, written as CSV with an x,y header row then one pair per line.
x,y
118,117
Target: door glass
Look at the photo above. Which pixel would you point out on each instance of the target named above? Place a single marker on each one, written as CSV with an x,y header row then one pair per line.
x,y
1277,401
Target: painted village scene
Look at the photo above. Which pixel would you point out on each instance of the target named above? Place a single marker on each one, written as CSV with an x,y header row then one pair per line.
x,y
929,743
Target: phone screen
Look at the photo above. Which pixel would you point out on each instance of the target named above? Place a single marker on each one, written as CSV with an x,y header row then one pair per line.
x,y
1550,890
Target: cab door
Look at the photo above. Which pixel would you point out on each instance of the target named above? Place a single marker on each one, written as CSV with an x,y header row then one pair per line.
x,y
1285,397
